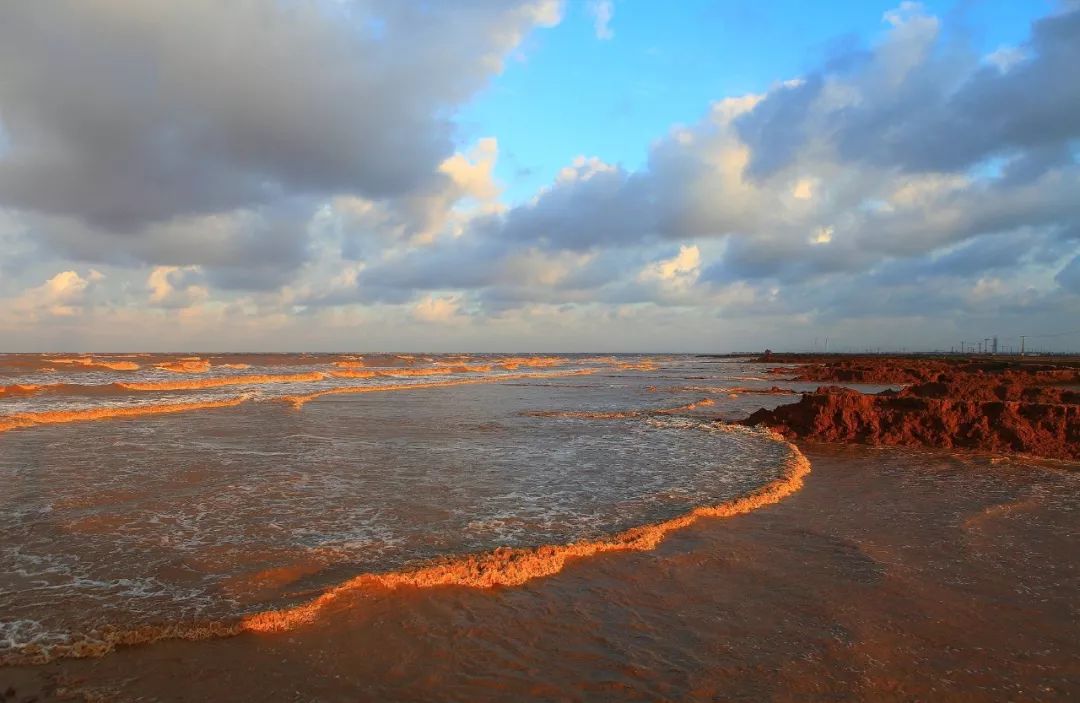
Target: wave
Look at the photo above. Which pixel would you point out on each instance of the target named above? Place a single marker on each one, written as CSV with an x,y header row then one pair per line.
x,y
464,362
637,365
46,417
704,402
619,414
51,417
298,401
222,381
20,389
351,373
730,391
94,363
503,567
586,414
515,362
121,387
189,365
1000,510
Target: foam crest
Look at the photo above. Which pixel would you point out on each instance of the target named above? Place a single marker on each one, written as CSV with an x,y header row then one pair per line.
x,y
503,567
298,401
251,379
188,365
93,363
20,389
52,417
703,403
637,365
619,414
353,373
515,362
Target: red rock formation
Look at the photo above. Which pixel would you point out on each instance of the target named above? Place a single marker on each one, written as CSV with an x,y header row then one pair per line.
x,y
912,370
966,406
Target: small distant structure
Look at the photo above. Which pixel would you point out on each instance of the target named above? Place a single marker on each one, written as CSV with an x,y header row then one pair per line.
x,y
767,355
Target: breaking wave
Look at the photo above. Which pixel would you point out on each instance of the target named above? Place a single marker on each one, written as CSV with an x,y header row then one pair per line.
x,y
503,567
52,417
607,475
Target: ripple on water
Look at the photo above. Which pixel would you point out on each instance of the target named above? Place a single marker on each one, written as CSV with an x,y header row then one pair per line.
x,y
212,515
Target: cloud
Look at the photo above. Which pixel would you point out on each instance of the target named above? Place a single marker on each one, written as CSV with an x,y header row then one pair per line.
x,y
918,109
422,216
681,269
791,209
913,181
777,178
256,248
176,287
442,310
602,11
139,119
63,295
146,135
1069,277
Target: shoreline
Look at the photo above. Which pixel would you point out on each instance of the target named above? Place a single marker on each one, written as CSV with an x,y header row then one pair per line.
x,y
802,551
878,580
502,567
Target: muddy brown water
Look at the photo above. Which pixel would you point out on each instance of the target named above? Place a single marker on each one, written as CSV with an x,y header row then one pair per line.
x,y
891,575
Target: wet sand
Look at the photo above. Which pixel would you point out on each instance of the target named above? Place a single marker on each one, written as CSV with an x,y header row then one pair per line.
x,y
894,575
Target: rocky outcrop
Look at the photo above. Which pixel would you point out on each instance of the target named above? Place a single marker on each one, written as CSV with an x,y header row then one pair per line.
x,y
951,406
922,370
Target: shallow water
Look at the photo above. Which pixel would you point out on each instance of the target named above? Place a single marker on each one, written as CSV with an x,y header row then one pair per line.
x,y
893,575
213,514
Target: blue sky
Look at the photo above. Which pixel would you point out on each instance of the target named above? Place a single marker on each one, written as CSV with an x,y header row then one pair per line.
x,y
568,93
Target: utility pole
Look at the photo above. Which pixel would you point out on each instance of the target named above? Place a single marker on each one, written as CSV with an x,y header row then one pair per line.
x,y
1022,345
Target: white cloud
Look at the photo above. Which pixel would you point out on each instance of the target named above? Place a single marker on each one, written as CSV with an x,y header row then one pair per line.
x,y
676,274
880,191
804,189
442,310
63,295
1005,58
602,11
176,287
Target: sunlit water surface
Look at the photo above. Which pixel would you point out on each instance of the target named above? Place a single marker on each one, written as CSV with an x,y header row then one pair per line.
x,y
218,512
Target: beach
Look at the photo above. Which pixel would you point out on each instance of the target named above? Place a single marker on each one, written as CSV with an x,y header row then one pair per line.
x,y
893,575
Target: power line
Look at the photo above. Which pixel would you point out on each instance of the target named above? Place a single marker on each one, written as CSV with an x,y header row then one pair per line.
x,y
1059,334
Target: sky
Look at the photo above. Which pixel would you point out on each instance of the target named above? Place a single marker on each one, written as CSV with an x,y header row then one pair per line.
x,y
535,175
